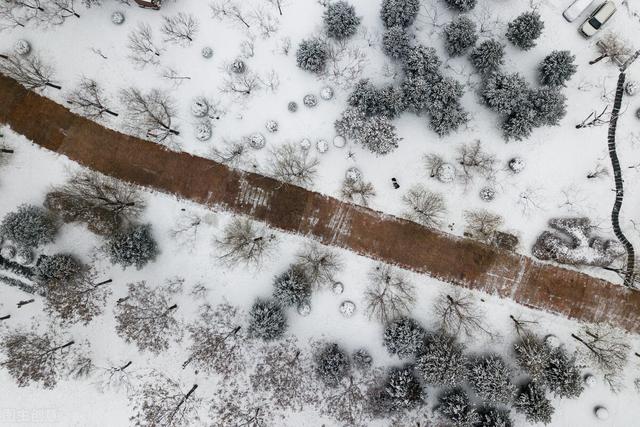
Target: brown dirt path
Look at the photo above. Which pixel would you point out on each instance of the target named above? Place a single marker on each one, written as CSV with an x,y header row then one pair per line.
x,y
451,259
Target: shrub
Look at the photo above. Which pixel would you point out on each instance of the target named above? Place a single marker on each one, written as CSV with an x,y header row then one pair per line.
x,y
399,12
404,337
267,320
396,42
340,20
557,68
133,246
292,287
29,226
461,5
312,55
332,365
525,30
488,56
562,376
421,61
459,36
504,93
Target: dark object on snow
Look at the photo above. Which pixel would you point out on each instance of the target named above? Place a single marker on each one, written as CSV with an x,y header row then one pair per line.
x,y
395,183
25,302
149,4
638,113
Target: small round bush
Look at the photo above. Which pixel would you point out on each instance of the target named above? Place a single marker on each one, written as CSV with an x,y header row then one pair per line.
x,y
340,20
312,55
292,106
29,226
238,66
460,35
404,337
396,42
267,320
399,12
133,246
292,287
488,56
310,100
557,68
332,365
461,5
525,30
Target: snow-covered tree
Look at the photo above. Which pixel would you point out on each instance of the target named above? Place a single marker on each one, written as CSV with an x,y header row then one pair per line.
x,y
415,92
375,133
372,101
491,379
488,56
424,206
57,268
532,402
293,287
493,417
557,68
448,119
504,93
421,61
340,20
399,12
562,376
29,226
319,263
146,317
441,361
400,391
312,55
519,123
532,355
389,294
133,246
549,104
461,5
267,320
403,336
454,405
332,364
525,30
362,359
460,35
396,42
244,241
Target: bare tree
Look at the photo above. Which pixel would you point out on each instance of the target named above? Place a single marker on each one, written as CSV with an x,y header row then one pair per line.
x,y
278,4
30,71
482,224
424,207
267,24
231,153
142,49
57,11
89,100
611,46
433,163
319,263
115,377
243,241
357,191
185,231
270,81
236,404
607,349
473,159
292,165
241,85
42,358
595,119
180,29
228,9
459,314
598,172
18,13
389,293
162,401
173,76
150,114
218,342
345,64
146,318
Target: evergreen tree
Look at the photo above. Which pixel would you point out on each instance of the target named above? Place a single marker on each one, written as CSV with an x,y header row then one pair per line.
x,y
448,119
533,403
461,5
442,362
562,376
29,226
372,101
267,320
460,35
375,133
400,391
399,12
404,337
58,268
488,56
341,20
396,42
454,405
133,246
549,105
443,92
525,30
490,378
362,359
415,91
292,287
312,55
557,68
493,417
421,62
504,93
520,123
332,365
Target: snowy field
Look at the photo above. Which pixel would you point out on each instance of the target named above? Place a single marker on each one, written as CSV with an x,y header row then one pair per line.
x,y
554,183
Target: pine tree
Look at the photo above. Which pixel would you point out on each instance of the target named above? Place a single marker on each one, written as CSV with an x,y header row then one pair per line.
x,y
312,55
332,364
454,405
460,35
399,12
519,123
372,101
533,403
504,93
557,68
550,105
461,5
267,320
404,337
133,246
493,417
28,226
375,133
488,56
562,376
341,20
446,120
525,30
421,61
396,42
57,268
292,287
491,379
441,361
400,391
416,93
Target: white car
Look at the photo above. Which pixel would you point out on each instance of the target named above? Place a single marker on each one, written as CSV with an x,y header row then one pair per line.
x,y
576,9
598,18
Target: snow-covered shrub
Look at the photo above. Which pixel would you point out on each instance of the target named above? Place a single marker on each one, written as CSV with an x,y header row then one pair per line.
x,y
8,251
525,30
337,288
132,246
332,364
461,5
403,336
267,320
601,413
399,12
22,47
517,164
304,309
312,55
454,405
25,256
376,133
445,173
460,35
271,126
256,141
339,141
322,146
362,359
29,226
493,417
326,93
340,20
487,194
305,144
396,42
292,106
632,87
557,68
488,56
117,18
400,391
532,402
58,268
421,61
310,100
491,379
638,113
372,101
238,66
203,130
353,174
206,52
292,287
504,93
347,308
549,105
441,361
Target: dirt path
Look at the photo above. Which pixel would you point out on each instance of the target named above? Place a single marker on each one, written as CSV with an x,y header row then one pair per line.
x,y
454,260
